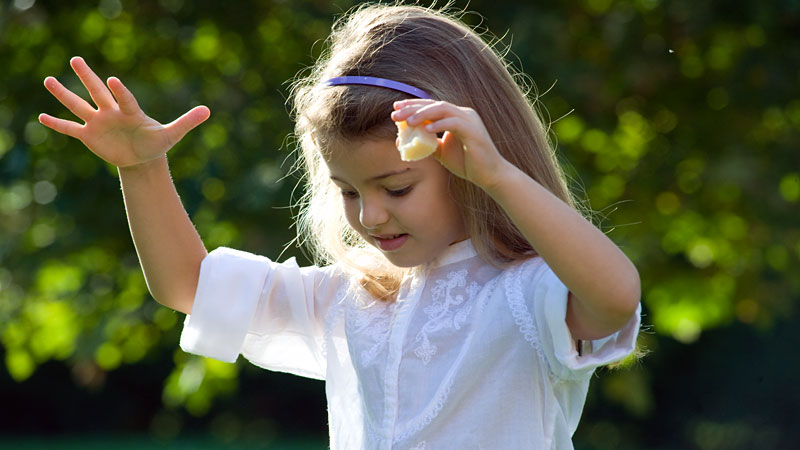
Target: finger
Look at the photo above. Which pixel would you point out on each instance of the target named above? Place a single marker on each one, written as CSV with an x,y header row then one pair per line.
x,y
433,112
97,90
127,102
178,128
72,101
62,126
405,112
400,104
453,124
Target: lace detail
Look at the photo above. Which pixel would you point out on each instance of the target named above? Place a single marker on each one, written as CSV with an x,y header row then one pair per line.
x,y
374,322
436,406
420,446
430,414
522,317
440,315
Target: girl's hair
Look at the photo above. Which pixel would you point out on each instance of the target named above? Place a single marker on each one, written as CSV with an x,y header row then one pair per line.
x,y
436,52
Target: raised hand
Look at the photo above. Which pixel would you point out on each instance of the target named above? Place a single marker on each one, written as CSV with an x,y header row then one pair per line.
x,y
465,149
118,131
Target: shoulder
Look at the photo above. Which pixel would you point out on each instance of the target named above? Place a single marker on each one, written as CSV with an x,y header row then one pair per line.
x,y
526,274
233,265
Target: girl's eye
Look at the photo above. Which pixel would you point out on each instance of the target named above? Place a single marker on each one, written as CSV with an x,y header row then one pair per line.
x,y
349,194
399,192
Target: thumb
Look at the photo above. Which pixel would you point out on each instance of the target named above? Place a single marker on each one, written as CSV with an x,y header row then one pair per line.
x,y
178,128
451,149
450,155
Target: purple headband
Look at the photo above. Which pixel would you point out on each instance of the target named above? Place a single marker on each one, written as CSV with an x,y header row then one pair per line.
x,y
380,82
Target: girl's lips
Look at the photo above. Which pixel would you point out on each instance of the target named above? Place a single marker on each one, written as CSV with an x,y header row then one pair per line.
x,y
389,244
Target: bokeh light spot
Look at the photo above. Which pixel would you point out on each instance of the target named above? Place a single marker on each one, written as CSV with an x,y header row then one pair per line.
x,y
35,133
717,98
789,187
667,203
22,5
110,9
44,192
108,356
569,128
20,364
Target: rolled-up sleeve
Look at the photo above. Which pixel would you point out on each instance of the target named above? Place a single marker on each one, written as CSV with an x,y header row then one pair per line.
x,y
271,313
550,306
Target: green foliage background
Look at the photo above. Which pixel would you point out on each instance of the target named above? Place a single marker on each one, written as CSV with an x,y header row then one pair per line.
x,y
678,121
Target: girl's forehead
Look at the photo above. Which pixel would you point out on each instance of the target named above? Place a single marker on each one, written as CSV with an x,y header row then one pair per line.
x,y
357,161
363,152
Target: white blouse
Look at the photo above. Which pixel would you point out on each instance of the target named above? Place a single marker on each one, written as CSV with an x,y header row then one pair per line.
x,y
468,357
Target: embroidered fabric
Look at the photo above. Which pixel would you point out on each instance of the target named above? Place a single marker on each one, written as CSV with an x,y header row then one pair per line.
x,y
372,324
433,410
457,293
441,317
520,312
462,359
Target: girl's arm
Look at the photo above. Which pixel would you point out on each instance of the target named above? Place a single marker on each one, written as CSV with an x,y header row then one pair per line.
x,y
169,248
603,283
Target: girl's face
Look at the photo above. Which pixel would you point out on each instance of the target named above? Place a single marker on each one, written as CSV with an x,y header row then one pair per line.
x,y
402,208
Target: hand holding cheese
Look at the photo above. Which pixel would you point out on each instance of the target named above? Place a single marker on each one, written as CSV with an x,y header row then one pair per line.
x,y
465,149
414,143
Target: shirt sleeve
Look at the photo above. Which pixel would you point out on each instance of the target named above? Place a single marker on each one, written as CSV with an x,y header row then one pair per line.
x,y
273,314
557,345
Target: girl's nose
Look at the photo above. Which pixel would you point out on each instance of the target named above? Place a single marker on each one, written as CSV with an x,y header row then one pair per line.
x,y
373,213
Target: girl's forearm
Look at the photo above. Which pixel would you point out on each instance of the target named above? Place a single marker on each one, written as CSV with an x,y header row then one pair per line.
x,y
169,248
604,284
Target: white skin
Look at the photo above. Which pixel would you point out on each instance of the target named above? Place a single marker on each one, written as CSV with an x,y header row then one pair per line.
x,y
603,283
385,197
169,248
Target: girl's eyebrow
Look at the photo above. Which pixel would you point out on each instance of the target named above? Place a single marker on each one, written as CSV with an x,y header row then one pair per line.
x,y
379,177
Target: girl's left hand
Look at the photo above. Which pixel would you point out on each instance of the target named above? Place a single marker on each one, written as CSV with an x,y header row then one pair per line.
x,y
465,149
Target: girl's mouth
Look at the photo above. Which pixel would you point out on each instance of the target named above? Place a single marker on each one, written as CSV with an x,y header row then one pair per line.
x,y
391,242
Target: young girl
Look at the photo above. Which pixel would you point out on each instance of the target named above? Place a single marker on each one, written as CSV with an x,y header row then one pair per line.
x,y
459,301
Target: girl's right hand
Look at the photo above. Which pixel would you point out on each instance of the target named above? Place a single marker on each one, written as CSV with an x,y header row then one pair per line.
x,y
117,131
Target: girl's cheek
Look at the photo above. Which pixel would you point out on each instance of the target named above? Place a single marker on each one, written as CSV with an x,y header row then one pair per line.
x,y
351,212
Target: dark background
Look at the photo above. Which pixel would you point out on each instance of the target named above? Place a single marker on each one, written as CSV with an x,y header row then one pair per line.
x,y
678,122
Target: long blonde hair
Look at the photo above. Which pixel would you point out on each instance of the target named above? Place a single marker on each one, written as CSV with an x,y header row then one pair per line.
x,y
434,51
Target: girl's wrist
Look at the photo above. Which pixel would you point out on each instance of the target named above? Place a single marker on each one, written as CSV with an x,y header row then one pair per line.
x,y
143,166
502,175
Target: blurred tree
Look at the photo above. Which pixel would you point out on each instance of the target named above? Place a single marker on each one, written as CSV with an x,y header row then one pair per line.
x,y
678,121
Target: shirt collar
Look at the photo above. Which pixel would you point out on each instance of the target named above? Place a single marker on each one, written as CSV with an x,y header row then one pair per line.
x,y
454,253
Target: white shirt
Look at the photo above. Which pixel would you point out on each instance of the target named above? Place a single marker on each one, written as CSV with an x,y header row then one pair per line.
x,y
468,357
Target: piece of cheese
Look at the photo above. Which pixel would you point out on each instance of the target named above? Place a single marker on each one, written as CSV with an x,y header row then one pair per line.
x,y
414,142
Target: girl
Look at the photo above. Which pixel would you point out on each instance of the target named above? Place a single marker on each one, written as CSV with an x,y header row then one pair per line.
x,y
459,301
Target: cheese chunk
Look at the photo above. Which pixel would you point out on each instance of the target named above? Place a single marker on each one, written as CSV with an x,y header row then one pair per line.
x,y
414,142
